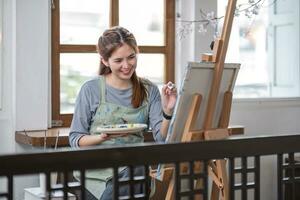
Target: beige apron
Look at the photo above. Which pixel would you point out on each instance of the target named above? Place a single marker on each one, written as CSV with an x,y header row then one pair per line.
x,y
107,114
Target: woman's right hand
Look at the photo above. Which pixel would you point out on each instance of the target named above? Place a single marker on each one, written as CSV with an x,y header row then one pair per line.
x,y
90,140
104,137
169,97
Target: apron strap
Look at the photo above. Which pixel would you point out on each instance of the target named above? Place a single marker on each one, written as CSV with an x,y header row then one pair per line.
x,y
102,89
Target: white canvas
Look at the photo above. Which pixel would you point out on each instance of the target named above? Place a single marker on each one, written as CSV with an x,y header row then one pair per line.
x,y
198,79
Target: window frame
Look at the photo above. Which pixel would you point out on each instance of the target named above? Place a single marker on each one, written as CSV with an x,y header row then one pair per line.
x,y
168,49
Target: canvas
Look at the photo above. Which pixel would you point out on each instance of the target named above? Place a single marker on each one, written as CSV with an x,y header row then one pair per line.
x,y
198,79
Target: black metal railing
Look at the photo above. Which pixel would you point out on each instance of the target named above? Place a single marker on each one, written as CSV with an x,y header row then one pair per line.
x,y
284,147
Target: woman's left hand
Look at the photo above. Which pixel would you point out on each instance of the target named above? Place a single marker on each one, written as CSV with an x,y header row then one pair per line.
x,y
169,97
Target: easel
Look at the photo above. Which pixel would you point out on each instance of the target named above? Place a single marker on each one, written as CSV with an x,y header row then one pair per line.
x,y
217,168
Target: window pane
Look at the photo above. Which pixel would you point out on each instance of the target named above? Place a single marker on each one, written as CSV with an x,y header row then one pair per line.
x,y
250,36
283,7
268,64
75,69
151,66
145,19
254,75
82,21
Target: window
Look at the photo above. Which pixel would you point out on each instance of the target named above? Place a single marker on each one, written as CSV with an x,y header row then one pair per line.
x,y
76,26
268,50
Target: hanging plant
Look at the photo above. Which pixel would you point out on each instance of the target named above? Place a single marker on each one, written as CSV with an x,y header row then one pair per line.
x,y
209,19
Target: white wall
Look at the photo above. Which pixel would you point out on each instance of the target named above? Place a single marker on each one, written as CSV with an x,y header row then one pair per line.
x,y
195,44
26,58
6,79
26,85
184,47
7,113
267,116
33,33
25,93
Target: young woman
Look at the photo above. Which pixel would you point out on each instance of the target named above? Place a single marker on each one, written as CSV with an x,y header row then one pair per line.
x,y
118,96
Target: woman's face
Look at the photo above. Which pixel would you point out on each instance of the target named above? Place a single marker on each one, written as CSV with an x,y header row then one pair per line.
x,y
122,62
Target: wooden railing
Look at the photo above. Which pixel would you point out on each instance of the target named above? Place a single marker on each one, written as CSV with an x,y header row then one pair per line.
x,y
65,161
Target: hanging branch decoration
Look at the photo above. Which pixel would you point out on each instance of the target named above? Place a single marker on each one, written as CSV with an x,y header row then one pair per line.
x,y
209,19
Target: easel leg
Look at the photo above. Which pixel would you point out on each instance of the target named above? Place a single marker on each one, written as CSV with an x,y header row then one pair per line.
x,y
161,187
191,120
217,168
170,193
215,192
221,167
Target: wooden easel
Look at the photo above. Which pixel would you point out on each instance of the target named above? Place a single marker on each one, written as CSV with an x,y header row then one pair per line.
x,y
217,168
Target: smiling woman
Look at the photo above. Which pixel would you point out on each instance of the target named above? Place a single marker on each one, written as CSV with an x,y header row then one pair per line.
x,y
118,99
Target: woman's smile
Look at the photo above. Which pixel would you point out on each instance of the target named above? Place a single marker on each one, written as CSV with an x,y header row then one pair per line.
x,y
126,71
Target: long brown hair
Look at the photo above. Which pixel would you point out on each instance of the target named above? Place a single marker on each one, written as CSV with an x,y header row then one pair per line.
x,y
111,40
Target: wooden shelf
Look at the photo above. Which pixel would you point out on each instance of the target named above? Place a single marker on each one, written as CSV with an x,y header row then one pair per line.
x,y
37,138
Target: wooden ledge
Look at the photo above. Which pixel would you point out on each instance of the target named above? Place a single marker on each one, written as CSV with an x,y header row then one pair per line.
x,y
39,138
36,138
236,130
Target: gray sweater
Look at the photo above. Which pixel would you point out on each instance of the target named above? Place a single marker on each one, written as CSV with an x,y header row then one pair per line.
x,y
88,100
